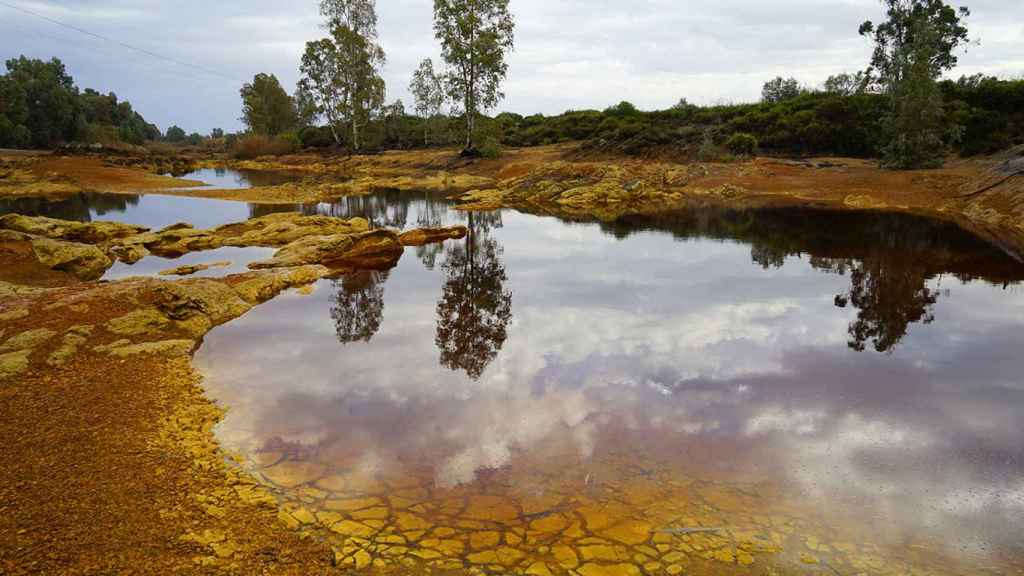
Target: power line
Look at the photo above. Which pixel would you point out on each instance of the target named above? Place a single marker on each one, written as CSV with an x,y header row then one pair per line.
x,y
119,43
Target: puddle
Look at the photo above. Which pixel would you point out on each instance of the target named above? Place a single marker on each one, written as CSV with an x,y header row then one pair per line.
x,y
392,209
233,179
705,392
153,265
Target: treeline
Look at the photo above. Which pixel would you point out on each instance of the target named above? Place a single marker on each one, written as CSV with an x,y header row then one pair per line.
x,y
40,107
985,114
988,112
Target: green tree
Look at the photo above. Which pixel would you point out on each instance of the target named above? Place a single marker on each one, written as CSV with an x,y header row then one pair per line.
x,y
847,84
175,134
428,92
780,89
51,107
342,73
913,47
475,36
217,133
266,108
305,107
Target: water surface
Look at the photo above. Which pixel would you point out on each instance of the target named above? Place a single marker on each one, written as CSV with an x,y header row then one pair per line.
x,y
803,391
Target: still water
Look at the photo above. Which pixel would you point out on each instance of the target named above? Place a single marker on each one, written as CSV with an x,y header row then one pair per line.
x,y
706,392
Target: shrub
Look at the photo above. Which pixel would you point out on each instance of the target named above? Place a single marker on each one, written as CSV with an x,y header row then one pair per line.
x,y
742,144
491,149
255,145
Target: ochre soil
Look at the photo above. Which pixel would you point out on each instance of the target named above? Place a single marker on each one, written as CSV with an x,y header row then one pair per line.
x,y
109,464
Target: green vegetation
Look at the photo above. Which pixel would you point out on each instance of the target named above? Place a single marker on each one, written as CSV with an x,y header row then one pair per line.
x,y
266,108
475,35
341,74
40,107
913,47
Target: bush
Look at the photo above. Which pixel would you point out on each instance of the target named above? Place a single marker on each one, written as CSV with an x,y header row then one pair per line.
x,y
255,145
491,149
316,137
742,144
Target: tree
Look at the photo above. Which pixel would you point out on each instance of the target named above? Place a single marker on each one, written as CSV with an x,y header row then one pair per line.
x,y
913,47
195,138
52,112
217,133
847,84
475,36
393,118
306,111
266,108
175,134
428,92
341,74
779,90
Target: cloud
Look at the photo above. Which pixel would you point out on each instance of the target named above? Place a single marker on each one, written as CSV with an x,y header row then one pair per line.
x,y
574,54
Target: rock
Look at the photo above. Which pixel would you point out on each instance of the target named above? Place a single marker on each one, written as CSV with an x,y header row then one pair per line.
x,y
377,249
424,236
130,253
285,228
13,363
26,340
190,269
260,287
267,231
83,232
73,339
84,261
146,321
188,299
13,315
480,200
164,348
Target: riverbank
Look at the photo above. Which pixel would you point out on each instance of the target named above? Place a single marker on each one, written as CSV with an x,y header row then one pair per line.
x,y
985,195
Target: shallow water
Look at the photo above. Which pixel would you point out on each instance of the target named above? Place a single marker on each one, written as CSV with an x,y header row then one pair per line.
x,y
806,392
391,209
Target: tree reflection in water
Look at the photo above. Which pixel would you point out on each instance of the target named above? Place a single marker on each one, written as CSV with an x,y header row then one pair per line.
x,y
357,306
77,207
475,309
890,258
889,295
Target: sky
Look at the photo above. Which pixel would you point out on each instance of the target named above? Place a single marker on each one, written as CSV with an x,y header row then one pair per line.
x,y
570,54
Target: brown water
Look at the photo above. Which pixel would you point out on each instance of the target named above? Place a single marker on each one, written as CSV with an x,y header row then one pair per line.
x,y
779,392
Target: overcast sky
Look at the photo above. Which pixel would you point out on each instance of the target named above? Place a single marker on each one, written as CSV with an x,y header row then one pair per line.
x,y
570,54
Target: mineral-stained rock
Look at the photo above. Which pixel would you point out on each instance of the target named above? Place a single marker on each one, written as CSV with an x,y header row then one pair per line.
x,y
480,200
84,261
269,231
73,339
284,228
188,299
423,236
164,347
260,287
138,322
13,363
18,314
189,269
27,340
84,232
372,249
